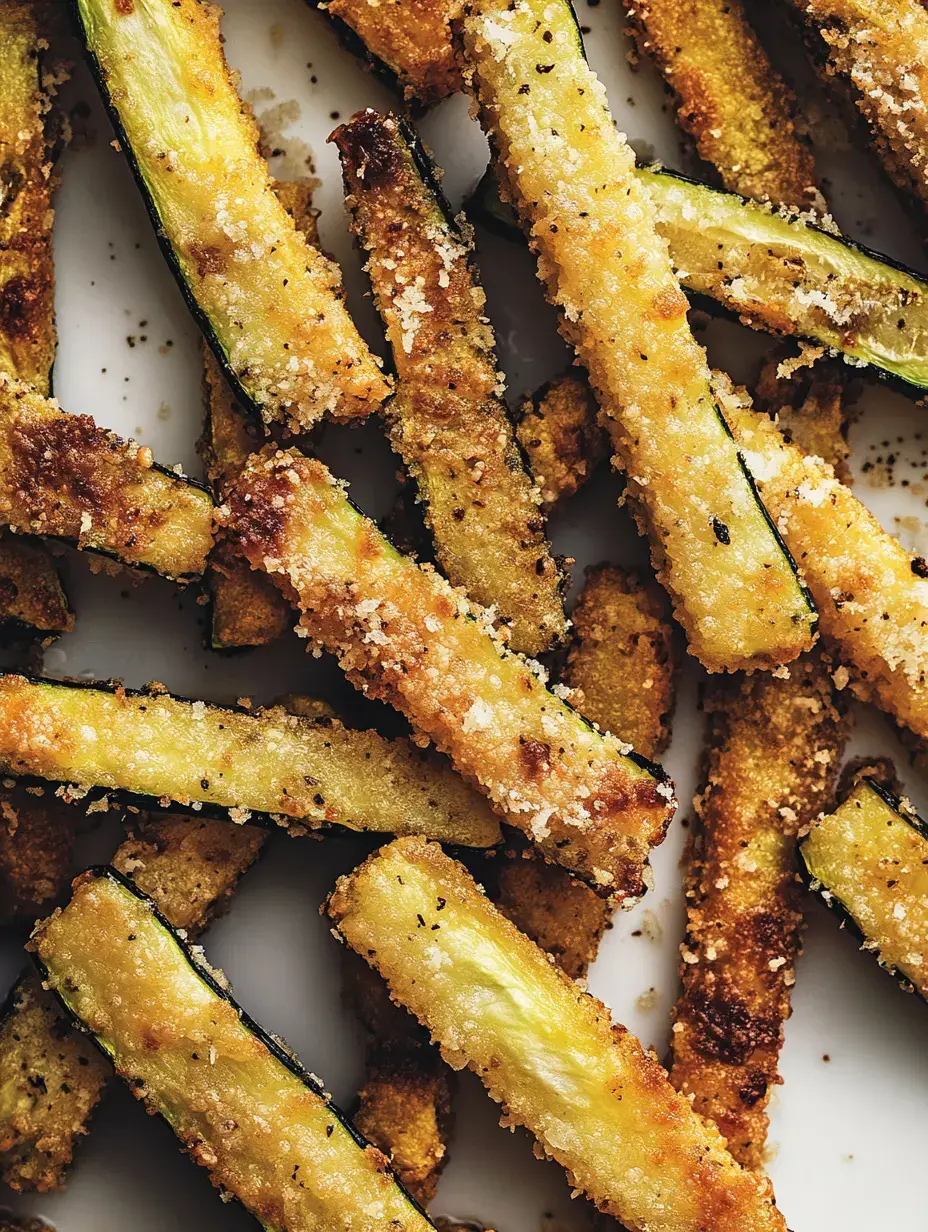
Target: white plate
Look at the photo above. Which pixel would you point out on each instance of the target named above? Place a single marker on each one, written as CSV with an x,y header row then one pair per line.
x,y
851,1134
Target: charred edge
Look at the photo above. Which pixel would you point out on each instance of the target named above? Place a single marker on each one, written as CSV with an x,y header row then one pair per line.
x,y
282,1056
725,1030
260,524
249,404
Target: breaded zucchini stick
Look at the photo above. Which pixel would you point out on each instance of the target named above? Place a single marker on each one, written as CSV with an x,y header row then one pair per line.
x,y
246,609
774,752
879,49
558,427
33,604
51,1077
730,98
594,1099
149,748
37,834
592,224
621,666
869,862
448,419
406,42
270,305
61,475
403,635
871,594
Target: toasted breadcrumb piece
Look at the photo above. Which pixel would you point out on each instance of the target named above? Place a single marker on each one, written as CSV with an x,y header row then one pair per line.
x,y
558,427
879,50
730,98
871,594
37,833
592,224
547,1051
774,750
51,1076
621,666
810,407
403,635
411,39
448,418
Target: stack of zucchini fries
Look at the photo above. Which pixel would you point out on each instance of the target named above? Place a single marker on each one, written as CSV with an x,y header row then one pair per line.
x,y
522,810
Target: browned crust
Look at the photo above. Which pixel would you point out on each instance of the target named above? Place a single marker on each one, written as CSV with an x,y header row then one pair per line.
x,y
773,754
558,427
63,476
810,405
448,419
730,99
37,833
404,636
412,38
31,595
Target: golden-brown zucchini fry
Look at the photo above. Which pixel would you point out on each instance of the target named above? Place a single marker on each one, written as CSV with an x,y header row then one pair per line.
x,y
730,98
592,224
594,1099
621,665
403,635
810,407
32,601
871,594
558,427
879,50
773,756
51,1077
406,41
448,420
37,833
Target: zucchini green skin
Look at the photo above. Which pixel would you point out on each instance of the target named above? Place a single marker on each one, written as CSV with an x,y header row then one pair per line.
x,y
159,752
845,269
868,860
291,355
203,1093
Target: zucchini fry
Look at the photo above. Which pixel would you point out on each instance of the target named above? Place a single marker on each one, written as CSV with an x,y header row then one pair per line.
x,y
407,43
879,50
270,306
448,420
810,408
37,834
51,1077
730,98
592,225
773,757
33,604
872,595
621,666
61,475
114,744
594,1099
403,635
558,427
869,861
240,1103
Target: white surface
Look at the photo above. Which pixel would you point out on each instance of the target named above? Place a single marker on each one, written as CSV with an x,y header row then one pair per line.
x,y
850,1134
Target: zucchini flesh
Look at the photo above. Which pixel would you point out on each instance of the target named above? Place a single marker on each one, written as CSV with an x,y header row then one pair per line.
x,y
869,860
269,304
51,1078
166,751
405,636
774,750
621,669
558,427
240,1104
879,49
592,224
405,42
546,1050
61,475
730,98
779,273
870,592
448,420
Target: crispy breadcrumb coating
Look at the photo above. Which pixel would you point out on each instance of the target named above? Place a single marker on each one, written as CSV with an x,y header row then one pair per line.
x,y
32,599
558,427
592,224
730,98
811,408
774,750
448,419
37,833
